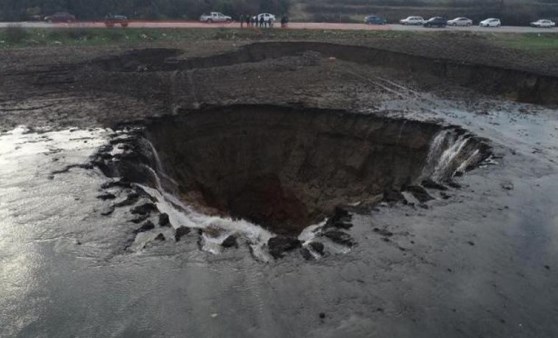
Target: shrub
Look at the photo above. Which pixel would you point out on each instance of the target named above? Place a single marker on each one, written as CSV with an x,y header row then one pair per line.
x,y
15,34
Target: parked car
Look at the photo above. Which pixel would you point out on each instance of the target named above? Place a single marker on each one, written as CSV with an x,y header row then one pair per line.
x,y
461,21
374,20
412,20
436,21
543,23
215,17
266,17
490,22
113,20
60,17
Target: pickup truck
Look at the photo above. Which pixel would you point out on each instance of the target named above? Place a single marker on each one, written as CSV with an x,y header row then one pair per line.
x,y
113,20
215,17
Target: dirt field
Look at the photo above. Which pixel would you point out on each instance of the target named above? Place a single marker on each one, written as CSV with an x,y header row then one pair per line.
x,y
41,81
308,185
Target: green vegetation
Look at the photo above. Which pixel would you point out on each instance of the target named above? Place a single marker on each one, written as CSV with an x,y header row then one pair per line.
x,y
19,37
100,36
15,34
528,42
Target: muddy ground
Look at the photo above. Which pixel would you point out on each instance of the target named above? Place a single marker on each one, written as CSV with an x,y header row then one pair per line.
x,y
478,260
66,85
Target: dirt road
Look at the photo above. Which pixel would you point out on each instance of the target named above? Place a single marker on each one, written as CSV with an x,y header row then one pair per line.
x,y
293,25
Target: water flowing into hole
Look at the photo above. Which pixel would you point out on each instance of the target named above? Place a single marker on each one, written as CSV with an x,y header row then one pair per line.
x,y
286,169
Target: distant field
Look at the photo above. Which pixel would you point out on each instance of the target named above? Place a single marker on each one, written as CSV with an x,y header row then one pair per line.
x,y
512,12
29,38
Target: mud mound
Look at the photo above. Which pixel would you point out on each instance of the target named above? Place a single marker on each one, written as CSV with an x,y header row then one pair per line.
x,y
285,169
517,84
139,60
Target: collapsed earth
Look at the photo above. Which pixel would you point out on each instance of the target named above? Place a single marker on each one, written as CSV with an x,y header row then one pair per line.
x,y
388,185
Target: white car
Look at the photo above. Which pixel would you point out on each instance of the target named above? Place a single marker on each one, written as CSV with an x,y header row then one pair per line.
x,y
266,17
461,21
412,20
543,23
491,22
215,17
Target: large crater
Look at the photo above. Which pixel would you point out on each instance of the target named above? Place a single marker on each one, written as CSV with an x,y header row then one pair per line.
x,y
284,168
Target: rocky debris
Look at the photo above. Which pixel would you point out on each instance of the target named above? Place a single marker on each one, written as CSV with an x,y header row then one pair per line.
x,y
145,227
230,242
317,247
393,196
181,232
419,193
212,231
445,195
132,198
72,166
106,196
454,185
306,254
107,210
280,244
507,186
144,209
160,237
340,219
139,218
164,220
431,184
383,232
339,237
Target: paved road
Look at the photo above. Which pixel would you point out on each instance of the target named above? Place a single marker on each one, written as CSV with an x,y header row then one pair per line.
x,y
293,25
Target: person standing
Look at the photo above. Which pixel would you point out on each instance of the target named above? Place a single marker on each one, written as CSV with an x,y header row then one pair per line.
x,y
241,21
248,20
262,20
284,21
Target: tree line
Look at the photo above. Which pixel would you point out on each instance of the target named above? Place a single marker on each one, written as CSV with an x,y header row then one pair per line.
x,y
16,10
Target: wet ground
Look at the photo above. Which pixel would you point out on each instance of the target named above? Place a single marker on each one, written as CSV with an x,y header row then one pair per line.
x,y
481,263
480,260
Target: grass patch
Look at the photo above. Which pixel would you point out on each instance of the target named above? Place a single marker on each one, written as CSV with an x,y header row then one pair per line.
x,y
14,34
19,37
532,42
95,36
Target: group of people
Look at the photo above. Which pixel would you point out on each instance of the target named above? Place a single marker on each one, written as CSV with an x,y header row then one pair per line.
x,y
261,22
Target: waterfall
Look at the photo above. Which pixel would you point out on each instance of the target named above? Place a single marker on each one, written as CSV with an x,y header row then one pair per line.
x,y
158,165
434,152
446,151
448,156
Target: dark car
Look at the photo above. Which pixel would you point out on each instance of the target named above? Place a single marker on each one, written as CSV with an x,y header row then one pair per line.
x,y
374,20
113,20
436,21
60,17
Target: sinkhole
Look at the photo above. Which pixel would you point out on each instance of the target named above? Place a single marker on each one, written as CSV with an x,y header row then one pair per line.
x,y
284,168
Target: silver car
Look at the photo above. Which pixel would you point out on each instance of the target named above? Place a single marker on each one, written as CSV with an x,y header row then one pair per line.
x,y
461,21
490,22
412,20
543,23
